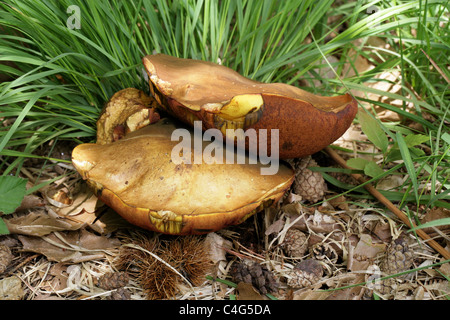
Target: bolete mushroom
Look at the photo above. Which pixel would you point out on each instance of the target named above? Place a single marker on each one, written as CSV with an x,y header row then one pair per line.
x,y
221,98
137,177
128,110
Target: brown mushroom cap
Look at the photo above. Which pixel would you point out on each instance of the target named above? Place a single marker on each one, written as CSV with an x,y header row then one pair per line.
x,y
137,178
222,98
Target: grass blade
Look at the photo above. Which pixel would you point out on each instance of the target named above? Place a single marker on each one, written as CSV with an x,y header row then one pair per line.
x,y
406,156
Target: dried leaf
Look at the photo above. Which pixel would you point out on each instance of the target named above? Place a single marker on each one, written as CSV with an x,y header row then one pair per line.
x,y
435,214
292,197
349,293
365,250
441,286
83,201
11,288
383,231
39,224
311,294
317,222
275,227
339,202
5,257
445,269
217,246
247,292
102,221
72,246
30,201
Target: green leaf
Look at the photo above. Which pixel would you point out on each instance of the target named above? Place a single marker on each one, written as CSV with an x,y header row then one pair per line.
x,y
412,140
393,155
372,169
12,192
416,152
373,130
446,137
357,163
3,227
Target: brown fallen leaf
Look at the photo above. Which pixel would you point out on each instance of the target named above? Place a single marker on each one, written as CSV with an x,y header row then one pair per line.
x,y
217,246
104,220
30,201
60,275
364,252
339,203
87,209
349,293
383,231
317,221
435,214
38,224
247,292
11,288
83,201
441,287
275,227
71,246
360,260
311,294
445,269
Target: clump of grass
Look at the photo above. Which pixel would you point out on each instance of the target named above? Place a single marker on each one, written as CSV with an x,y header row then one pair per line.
x,y
417,147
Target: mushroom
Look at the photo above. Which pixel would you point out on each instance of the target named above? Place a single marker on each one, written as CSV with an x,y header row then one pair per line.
x,y
137,177
221,98
128,110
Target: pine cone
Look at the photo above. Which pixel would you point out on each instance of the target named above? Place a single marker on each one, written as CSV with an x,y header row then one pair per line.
x,y
398,258
308,184
305,274
113,280
324,251
295,243
120,294
252,272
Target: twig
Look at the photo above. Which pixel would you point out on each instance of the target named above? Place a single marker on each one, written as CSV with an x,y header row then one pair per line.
x,y
402,216
24,262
